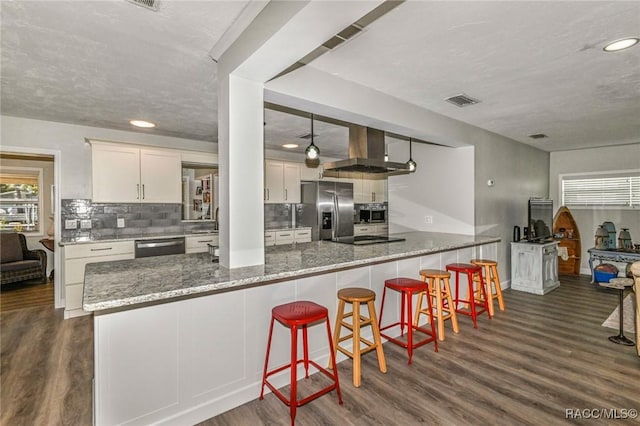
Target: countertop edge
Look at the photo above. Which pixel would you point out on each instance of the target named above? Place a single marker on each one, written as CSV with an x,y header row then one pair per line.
x,y
242,283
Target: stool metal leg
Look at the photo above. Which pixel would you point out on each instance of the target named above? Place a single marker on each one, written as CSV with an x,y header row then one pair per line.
x,y
621,339
294,374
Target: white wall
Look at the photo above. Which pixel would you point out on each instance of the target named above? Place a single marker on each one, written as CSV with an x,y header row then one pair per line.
x,y
441,187
75,156
624,157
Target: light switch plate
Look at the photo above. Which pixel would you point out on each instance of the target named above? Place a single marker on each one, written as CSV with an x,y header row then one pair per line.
x,y
85,224
70,223
120,222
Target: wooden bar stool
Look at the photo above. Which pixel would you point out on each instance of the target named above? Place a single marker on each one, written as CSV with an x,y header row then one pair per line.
x,y
471,302
300,315
440,292
491,282
356,296
407,287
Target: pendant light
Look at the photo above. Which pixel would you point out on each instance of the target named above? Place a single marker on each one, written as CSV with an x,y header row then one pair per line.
x,y
312,152
412,164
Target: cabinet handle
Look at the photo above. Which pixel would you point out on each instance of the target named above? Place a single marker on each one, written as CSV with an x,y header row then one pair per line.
x,y
137,191
206,241
143,191
285,194
284,235
102,249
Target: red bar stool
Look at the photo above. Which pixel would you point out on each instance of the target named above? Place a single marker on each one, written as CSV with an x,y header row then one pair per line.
x,y
355,296
492,282
440,293
300,315
472,301
407,286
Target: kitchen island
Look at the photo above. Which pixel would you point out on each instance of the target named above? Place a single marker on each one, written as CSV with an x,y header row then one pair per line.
x,y
179,339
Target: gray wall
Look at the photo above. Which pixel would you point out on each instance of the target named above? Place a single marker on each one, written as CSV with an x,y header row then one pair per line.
x,y
624,157
519,172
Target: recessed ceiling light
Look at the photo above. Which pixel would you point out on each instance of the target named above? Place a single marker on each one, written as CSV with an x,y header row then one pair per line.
x,y
142,123
290,145
623,43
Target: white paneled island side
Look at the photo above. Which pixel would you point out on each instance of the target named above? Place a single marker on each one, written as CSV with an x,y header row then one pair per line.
x,y
179,339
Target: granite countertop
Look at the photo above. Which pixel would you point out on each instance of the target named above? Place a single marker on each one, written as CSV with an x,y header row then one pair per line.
x,y
126,283
131,237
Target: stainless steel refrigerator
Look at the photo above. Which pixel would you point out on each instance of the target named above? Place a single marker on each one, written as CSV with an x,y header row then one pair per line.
x,y
327,207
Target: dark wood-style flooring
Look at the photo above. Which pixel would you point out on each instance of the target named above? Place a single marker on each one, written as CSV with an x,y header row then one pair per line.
x,y
26,294
542,356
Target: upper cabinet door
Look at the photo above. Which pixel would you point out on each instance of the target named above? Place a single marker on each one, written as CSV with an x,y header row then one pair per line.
x,y
160,176
115,173
273,182
291,183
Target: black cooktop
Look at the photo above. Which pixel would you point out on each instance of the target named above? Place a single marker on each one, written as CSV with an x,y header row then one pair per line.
x,y
362,240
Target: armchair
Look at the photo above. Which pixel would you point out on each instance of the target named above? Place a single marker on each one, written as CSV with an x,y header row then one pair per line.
x,y
17,262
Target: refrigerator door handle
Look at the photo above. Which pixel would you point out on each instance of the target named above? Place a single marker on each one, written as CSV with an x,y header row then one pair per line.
x,y
336,223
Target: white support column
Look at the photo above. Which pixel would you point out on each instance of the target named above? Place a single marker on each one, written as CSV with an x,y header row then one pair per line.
x,y
241,154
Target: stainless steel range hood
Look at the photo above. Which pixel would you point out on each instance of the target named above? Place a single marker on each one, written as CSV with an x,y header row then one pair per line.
x,y
366,155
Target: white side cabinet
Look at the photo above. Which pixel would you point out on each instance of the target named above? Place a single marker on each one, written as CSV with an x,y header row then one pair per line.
x,y
76,257
129,174
199,243
534,267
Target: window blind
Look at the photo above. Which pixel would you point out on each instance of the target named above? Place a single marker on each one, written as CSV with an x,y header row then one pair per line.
x,y
602,191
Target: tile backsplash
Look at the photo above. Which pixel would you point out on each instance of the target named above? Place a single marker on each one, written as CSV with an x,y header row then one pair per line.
x,y
139,219
277,216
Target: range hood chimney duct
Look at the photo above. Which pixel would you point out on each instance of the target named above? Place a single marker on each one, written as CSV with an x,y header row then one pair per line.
x,y
366,155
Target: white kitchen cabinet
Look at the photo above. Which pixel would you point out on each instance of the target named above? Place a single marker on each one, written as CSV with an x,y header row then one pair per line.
x,y
310,173
285,237
200,243
76,257
269,238
282,182
302,235
129,174
363,230
371,229
369,190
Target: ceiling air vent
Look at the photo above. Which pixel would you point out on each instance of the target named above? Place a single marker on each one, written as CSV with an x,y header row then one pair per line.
x,y
538,136
149,4
462,100
307,136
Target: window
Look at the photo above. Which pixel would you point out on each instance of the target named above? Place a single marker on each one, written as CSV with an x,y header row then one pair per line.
x,y
21,199
611,190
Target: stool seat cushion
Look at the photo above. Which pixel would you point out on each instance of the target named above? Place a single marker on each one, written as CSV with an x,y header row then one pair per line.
x,y
299,313
463,267
434,273
356,294
406,284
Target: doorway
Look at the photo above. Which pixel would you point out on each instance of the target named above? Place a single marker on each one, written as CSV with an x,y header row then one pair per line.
x,y
29,205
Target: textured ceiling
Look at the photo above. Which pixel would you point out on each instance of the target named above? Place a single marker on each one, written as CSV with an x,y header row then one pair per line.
x,y
537,67
102,63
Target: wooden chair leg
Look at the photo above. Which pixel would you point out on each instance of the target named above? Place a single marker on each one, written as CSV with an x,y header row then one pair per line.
x,y
382,363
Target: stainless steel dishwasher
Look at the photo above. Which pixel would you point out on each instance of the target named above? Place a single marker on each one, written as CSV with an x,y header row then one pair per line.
x,y
159,247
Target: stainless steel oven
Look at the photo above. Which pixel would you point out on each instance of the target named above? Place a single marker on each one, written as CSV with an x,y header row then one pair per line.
x,y
373,215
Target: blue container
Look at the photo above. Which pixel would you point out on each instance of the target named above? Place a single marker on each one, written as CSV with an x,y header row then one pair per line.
x,y
603,276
